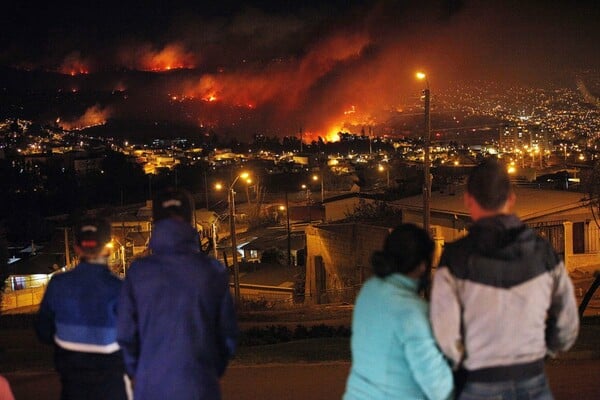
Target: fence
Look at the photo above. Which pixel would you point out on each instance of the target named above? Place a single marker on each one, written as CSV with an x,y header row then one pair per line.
x,y
554,232
269,296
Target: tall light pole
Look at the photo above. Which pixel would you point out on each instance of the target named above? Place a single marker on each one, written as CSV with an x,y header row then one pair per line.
x,y
205,189
289,235
320,178
236,267
426,162
110,245
381,168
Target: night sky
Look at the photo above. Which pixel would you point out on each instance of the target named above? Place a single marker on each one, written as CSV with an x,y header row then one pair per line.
x,y
296,63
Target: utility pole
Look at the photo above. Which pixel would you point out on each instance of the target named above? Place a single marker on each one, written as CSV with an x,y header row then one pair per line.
x,y
322,187
289,235
236,268
206,189
427,162
214,240
67,252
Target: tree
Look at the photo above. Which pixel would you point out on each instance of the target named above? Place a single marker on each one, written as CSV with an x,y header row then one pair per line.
x,y
591,183
273,256
374,212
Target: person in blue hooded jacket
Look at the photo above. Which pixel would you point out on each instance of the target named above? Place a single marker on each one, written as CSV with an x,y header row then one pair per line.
x,y
176,320
394,354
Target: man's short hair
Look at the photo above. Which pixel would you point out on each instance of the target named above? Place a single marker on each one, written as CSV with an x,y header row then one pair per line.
x,y
173,203
489,184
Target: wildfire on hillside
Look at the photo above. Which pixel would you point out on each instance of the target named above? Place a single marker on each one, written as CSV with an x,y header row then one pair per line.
x,y
148,58
93,116
283,87
74,64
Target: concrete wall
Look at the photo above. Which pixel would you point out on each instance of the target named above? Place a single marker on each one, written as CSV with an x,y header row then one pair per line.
x,y
588,261
22,298
338,260
275,295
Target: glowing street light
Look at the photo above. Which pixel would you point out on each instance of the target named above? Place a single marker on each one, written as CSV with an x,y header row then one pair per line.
x,y
231,197
381,168
111,245
426,161
317,178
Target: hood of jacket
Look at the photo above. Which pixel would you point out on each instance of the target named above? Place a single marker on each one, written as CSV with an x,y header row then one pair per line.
x,y
173,236
503,236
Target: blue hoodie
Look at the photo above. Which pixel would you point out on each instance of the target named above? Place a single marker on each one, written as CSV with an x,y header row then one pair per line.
x,y
176,320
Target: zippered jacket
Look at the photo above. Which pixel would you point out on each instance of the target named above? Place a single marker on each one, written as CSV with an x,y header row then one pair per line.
x,y
501,301
394,354
176,322
79,310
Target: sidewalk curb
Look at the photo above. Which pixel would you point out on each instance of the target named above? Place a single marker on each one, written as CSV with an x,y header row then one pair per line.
x,y
579,355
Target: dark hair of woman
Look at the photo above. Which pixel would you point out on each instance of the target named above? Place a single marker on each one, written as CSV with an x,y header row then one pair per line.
x,y
404,249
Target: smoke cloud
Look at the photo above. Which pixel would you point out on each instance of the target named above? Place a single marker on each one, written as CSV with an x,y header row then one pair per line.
x,y
321,69
145,57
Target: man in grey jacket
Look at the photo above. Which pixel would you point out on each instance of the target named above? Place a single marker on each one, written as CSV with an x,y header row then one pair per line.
x,y
501,298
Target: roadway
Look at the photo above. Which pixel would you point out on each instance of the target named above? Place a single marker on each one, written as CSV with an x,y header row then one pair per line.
x,y
569,379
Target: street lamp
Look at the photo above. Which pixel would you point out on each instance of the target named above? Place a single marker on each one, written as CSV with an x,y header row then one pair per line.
x,y
381,168
316,178
111,246
426,162
289,234
231,198
306,188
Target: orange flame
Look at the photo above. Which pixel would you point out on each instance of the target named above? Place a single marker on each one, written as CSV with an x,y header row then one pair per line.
x,y
146,58
93,116
282,83
352,110
333,134
73,65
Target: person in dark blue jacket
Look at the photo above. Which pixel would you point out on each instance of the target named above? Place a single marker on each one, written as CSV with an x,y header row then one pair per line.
x,y
176,323
78,314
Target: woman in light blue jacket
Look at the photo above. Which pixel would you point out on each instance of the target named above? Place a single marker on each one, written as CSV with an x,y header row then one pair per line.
x,y
394,354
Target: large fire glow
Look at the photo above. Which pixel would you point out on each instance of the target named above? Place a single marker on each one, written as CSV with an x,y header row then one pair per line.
x,y
147,58
284,86
316,70
74,64
93,116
